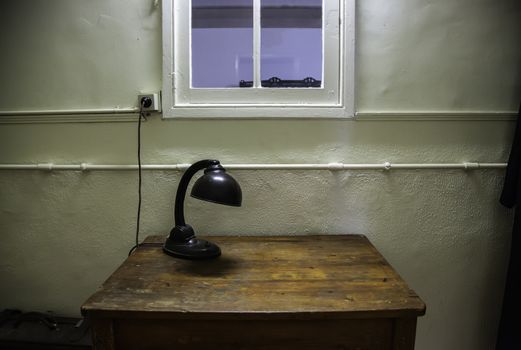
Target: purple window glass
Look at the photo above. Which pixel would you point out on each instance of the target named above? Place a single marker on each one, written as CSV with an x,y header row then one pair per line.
x,y
291,41
222,43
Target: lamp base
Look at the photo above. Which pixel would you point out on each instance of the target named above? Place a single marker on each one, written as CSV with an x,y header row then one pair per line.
x,y
189,248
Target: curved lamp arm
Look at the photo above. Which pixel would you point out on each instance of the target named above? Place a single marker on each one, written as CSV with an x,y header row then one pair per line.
x,y
179,213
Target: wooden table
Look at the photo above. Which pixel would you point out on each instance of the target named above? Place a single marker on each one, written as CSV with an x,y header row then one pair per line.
x,y
298,292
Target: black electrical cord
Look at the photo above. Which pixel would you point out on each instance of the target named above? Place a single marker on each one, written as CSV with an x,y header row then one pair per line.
x,y
138,216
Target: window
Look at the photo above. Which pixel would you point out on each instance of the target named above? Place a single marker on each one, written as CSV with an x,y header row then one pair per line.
x,y
258,58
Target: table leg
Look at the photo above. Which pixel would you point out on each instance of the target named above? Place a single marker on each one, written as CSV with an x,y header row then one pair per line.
x,y
103,334
404,333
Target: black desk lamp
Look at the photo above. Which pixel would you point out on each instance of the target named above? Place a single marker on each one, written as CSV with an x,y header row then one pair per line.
x,y
214,186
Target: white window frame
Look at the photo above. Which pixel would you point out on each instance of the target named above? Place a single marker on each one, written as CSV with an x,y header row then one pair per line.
x,y
335,99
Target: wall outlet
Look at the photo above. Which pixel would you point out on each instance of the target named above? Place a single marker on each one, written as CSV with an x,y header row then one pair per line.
x,y
149,102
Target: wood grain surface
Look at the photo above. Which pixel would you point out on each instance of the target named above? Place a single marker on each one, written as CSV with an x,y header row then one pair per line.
x,y
259,278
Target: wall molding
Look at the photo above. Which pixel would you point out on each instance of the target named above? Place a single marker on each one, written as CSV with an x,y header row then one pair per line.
x,y
69,116
130,115
436,116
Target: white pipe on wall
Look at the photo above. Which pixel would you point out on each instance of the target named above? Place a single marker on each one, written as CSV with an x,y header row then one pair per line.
x,y
328,166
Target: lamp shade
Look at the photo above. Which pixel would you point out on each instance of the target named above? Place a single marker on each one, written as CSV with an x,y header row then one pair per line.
x,y
217,186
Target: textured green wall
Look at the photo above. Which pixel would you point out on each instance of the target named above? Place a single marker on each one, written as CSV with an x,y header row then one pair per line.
x,y
62,233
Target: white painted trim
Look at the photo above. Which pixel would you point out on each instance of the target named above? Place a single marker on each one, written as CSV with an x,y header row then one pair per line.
x,y
219,113
436,116
329,166
168,81
257,44
69,116
255,113
71,111
181,101
348,52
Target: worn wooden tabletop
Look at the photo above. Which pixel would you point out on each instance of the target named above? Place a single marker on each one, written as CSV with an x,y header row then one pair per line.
x,y
258,277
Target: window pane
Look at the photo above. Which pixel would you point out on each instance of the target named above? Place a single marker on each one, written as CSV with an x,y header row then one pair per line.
x,y
291,43
222,43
